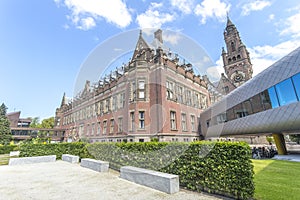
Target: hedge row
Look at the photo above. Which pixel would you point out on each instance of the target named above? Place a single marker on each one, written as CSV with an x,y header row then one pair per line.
x,y
222,168
5,149
76,148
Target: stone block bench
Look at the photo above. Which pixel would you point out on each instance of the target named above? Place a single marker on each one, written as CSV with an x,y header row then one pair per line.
x,y
70,158
31,160
96,165
168,183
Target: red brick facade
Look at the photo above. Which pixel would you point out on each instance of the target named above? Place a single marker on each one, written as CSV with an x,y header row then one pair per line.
x,y
153,97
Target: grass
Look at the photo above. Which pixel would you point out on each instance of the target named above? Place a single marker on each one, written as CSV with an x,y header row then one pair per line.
x,y
276,179
4,158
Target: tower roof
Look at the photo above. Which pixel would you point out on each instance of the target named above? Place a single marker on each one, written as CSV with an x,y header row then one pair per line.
x,y
141,44
229,22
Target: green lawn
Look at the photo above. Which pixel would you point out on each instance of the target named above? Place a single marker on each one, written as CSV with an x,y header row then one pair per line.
x,y
276,179
4,158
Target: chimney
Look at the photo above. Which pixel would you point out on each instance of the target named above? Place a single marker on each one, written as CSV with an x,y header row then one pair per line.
x,y
158,35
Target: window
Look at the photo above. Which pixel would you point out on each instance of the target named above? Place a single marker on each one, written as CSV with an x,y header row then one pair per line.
x,y
226,89
93,129
193,123
170,89
107,105
104,127
180,94
285,92
114,103
120,125
112,126
183,122
122,100
88,130
273,97
188,97
98,128
141,89
221,118
296,82
208,123
101,107
240,114
132,121
173,120
133,91
141,119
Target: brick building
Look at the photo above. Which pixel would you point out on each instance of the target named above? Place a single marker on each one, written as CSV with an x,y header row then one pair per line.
x,y
153,96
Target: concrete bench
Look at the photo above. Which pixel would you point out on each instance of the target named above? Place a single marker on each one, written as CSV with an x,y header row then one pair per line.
x,y
96,165
168,183
31,160
70,158
14,153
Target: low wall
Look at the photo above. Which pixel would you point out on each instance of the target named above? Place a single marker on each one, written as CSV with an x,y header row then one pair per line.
x,y
96,165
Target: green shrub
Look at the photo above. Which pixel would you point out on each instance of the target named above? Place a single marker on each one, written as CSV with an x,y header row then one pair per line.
x,y
76,148
222,168
5,149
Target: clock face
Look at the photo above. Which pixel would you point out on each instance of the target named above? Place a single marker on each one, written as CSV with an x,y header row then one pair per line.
x,y
238,77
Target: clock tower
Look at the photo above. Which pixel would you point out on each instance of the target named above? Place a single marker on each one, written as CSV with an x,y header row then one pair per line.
x,y
236,60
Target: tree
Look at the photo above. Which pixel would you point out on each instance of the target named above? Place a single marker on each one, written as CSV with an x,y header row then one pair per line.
x,y
5,133
34,122
47,123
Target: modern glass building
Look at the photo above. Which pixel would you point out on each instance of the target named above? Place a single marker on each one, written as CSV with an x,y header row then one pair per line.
x,y
269,103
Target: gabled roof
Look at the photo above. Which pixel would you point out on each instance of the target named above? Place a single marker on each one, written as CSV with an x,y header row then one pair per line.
x,y
141,44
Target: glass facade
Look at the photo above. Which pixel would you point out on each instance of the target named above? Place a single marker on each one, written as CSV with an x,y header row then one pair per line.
x,y
281,94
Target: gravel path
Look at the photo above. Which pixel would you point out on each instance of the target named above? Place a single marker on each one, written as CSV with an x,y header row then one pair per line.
x,y
64,181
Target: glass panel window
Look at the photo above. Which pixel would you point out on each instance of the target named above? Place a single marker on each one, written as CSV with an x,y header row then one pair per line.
x,y
93,129
104,127
132,121
98,128
112,126
122,100
141,89
183,122
193,123
285,92
114,103
141,119
170,88
173,120
180,94
221,118
273,97
120,125
296,81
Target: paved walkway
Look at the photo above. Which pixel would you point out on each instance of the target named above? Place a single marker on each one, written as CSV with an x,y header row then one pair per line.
x,y
63,181
290,157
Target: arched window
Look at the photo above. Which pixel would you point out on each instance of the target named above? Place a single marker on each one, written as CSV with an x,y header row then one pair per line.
x,y
229,60
234,58
232,46
238,57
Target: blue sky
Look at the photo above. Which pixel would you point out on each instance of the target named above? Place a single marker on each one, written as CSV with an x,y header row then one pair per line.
x,y
44,43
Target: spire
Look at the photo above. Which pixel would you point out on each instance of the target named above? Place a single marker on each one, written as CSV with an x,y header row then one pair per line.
x,y
141,44
229,22
63,101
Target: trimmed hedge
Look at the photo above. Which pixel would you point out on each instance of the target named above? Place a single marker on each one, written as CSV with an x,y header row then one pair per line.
x,y
76,148
223,168
7,148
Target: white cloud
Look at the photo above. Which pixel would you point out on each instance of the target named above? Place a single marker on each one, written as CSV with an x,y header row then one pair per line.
x,y
254,6
264,56
212,9
87,23
292,26
85,13
171,38
214,72
186,6
271,17
153,18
